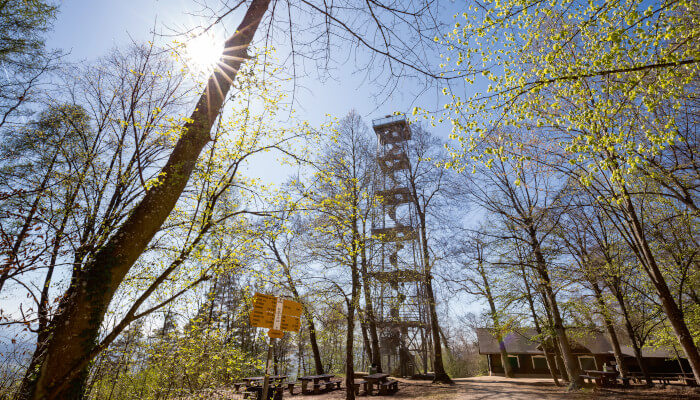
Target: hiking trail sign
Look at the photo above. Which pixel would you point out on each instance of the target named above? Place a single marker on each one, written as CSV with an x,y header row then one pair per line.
x,y
276,314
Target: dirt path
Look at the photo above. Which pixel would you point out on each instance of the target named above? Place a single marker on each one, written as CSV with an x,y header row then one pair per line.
x,y
499,388
494,388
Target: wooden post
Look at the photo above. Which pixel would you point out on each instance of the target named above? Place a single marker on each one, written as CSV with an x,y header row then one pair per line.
x,y
266,381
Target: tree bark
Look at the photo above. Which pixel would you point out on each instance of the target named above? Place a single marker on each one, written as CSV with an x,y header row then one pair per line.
x,y
318,363
61,370
375,357
572,369
365,337
632,335
352,304
559,360
438,366
507,371
673,312
349,356
551,363
610,328
301,365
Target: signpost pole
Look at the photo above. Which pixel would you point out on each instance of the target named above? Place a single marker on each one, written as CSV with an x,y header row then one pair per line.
x,y
275,327
266,381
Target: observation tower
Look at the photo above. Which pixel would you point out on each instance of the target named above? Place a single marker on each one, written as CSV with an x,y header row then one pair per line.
x,y
398,273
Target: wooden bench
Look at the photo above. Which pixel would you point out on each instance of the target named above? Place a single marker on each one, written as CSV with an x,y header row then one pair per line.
x,y
688,381
625,381
597,380
329,384
274,392
388,387
357,385
290,387
337,382
326,386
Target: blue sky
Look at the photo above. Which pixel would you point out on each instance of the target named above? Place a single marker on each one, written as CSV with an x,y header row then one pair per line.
x,y
89,29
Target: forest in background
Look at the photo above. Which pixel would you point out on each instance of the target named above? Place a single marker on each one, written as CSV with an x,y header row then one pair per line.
x,y
134,230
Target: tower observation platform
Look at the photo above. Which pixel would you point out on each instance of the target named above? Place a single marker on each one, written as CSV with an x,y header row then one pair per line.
x,y
397,272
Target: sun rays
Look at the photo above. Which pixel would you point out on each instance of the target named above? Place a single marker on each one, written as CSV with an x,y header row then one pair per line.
x,y
203,52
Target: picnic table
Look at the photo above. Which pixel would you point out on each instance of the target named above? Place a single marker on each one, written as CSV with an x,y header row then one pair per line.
x,y
317,381
666,378
383,383
258,380
254,385
603,378
273,393
688,379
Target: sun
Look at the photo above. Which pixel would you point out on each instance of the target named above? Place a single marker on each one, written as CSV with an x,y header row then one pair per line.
x,y
202,52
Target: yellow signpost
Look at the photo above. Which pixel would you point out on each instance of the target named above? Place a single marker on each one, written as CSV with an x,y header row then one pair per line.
x,y
290,324
264,301
261,319
278,315
275,334
275,313
291,308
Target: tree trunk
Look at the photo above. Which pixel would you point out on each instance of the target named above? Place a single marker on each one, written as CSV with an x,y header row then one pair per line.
x,y
307,314
673,312
301,368
551,363
375,357
352,304
633,337
318,363
349,356
62,369
572,369
507,371
438,366
558,359
365,337
610,328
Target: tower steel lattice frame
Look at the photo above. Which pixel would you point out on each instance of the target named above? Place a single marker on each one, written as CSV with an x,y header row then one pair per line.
x,y
398,272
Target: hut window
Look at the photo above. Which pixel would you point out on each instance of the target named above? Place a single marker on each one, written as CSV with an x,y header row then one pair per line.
x,y
587,362
539,362
514,361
